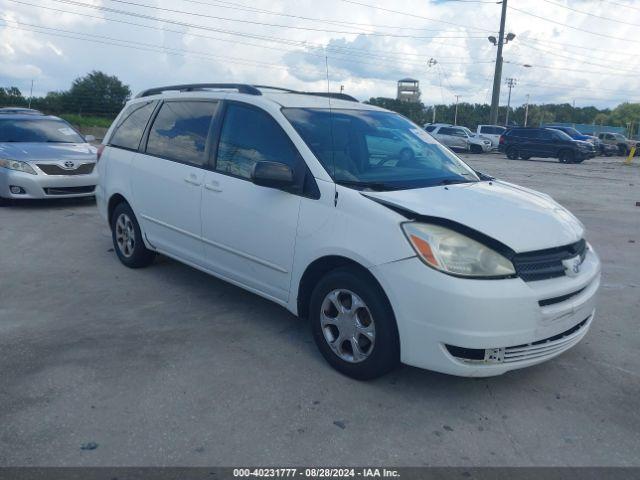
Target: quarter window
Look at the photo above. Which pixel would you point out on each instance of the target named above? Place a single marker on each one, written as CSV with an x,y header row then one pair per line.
x,y
130,129
180,131
249,136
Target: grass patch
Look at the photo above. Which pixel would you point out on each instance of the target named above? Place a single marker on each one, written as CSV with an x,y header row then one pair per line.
x,y
86,122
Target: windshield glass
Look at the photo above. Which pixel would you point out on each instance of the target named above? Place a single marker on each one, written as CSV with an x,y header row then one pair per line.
x,y
467,131
38,130
377,150
571,131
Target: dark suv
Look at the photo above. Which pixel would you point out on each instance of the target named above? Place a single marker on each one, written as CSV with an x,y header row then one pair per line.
x,y
546,143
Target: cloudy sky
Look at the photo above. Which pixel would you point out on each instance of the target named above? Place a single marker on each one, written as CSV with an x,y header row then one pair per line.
x,y
582,51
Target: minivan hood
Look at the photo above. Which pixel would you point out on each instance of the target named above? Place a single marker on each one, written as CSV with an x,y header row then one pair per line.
x,y
43,152
522,219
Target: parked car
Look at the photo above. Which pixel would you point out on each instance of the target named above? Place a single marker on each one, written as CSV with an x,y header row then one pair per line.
x,y
575,134
492,132
453,137
20,110
477,143
544,143
623,144
420,260
42,156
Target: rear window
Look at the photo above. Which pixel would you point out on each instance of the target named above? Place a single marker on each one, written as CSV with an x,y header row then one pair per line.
x,y
524,133
130,128
38,130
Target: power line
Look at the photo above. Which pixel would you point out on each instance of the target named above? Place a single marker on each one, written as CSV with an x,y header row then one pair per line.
x,y
626,5
572,27
247,8
385,55
591,14
414,15
255,22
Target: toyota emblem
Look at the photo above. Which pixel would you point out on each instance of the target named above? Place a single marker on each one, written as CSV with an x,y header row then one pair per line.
x,y
572,266
69,164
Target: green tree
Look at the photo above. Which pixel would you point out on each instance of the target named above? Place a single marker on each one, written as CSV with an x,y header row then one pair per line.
x,y
11,97
96,94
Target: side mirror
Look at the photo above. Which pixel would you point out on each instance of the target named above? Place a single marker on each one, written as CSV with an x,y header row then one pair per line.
x,y
89,138
273,175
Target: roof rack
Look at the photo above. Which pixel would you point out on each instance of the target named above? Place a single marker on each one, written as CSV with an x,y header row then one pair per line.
x,y
191,87
337,96
241,88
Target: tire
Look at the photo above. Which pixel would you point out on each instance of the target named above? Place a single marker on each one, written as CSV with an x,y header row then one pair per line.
x,y
127,238
622,149
371,346
566,156
476,149
525,157
512,153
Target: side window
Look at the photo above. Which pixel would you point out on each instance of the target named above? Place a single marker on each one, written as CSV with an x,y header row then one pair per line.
x,y
129,131
458,132
430,128
249,136
547,135
180,131
446,131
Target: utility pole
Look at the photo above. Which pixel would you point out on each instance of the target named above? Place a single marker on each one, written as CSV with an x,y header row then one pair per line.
x,y
455,116
31,94
432,62
497,76
526,111
433,119
511,82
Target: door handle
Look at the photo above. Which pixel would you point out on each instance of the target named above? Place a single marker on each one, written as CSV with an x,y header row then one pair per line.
x,y
192,181
213,187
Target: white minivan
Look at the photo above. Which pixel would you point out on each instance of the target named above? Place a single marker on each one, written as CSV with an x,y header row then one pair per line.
x,y
393,255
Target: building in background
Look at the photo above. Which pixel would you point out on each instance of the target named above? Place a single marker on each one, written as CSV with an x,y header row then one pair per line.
x,y
409,90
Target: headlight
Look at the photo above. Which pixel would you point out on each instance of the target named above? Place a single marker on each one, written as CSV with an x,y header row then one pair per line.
x,y
451,252
16,165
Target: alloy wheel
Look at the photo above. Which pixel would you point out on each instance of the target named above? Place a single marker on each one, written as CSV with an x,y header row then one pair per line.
x,y
125,235
347,326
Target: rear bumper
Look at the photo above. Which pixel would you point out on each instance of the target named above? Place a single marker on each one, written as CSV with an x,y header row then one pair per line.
x,y
46,186
512,323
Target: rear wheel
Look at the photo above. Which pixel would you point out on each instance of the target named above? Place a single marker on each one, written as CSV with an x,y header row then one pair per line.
x,y
353,325
512,153
127,238
525,157
476,149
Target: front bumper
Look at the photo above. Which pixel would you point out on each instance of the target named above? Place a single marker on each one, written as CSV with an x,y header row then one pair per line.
x,y
46,186
502,317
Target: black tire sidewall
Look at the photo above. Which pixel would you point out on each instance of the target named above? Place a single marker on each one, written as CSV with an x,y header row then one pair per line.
x,y
512,153
386,350
141,255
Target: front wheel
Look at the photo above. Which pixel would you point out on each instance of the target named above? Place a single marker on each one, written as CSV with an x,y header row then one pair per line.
x,y
476,149
353,325
566,156
127,238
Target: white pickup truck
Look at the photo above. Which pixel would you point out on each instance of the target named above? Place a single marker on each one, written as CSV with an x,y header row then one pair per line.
x,y
492,132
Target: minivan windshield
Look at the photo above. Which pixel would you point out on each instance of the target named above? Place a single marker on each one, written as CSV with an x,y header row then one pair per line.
x,y
38,130
377,150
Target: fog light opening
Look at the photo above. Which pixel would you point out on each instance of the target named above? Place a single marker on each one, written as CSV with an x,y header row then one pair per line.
x,y
17,190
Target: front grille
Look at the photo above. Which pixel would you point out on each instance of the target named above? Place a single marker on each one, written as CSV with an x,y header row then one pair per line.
x,y
536,350
69,190
545,264
53,169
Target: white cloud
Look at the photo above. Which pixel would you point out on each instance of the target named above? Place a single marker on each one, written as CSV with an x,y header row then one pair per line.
x,y
567,64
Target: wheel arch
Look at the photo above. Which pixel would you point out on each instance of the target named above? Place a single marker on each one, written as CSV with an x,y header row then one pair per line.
x,y
115,200
320,267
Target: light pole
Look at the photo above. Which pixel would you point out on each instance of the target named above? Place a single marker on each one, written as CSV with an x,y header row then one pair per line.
x,y
497,76
526,111
431,63
455,116
511,82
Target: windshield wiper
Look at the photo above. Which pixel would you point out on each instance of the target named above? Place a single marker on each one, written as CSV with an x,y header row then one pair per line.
x,y
378,186
453,181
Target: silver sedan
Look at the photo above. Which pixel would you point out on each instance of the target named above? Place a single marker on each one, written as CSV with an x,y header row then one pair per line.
x,y
42,156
